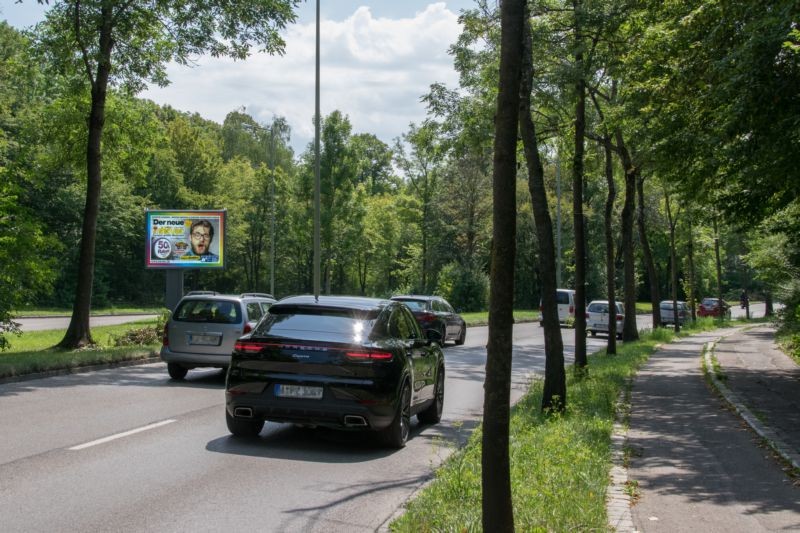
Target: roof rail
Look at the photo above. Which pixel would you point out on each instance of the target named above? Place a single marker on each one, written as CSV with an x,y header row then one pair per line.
x,y
199,293
256,294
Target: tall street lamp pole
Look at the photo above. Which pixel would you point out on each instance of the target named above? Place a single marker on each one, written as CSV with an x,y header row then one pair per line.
x,y
316,173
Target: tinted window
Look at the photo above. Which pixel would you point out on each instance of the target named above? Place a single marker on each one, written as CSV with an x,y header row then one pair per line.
x,y
415,305
213,311
335,325
562,297
598,308
398,325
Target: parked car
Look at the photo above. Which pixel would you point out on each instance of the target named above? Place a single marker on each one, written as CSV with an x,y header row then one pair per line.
x,y
434,312
566,307
204,327
668,312
340,362
714,307
598,317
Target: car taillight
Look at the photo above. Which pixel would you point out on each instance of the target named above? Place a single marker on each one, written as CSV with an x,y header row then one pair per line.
x,y
165,338
572,309
540,308
247,327
587,315
248,346
620,317
369,355
427,317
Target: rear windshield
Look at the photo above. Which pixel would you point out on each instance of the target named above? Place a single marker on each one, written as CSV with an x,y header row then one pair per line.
x,y
213,311
415,305
709,301
332,325
598,308
562,297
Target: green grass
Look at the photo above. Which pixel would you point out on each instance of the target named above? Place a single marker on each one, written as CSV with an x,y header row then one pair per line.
x,y
34,351
62,311
559,464
481,318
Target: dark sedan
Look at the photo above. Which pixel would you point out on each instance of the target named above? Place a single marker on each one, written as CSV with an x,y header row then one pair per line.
x,y
338,362
435,313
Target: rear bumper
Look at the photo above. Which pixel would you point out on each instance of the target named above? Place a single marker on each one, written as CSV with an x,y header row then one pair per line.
x,y
339,408
194,360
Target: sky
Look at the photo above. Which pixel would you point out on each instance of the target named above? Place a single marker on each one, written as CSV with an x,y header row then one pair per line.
x,y
377,59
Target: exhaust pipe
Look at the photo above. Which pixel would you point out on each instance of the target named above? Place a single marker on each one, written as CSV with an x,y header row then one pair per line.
x,y
243,412
354,421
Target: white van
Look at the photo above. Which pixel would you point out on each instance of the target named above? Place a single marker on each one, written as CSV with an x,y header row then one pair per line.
x,y
566,307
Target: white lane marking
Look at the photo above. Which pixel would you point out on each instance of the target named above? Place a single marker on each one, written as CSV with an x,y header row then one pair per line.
x,y
121,435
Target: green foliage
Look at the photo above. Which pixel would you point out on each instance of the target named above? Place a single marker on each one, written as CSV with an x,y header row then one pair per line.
x,y
466,289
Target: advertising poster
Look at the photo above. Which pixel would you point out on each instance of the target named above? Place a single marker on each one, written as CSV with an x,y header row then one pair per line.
x,y
185,239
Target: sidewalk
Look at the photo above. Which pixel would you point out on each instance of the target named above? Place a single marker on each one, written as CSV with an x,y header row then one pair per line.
x,y
696,465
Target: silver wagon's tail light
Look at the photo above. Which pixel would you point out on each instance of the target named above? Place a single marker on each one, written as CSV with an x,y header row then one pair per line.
x,y
165,337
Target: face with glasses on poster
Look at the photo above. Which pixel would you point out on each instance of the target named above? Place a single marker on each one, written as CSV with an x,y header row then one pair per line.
x,y
201,235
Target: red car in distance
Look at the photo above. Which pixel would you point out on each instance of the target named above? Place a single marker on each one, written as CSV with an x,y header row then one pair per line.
x,y
714,307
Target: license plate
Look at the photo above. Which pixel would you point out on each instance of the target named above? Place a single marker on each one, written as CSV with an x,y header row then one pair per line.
x,y
298,391
205,340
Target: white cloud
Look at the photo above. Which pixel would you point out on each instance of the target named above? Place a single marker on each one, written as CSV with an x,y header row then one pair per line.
x,y
372,69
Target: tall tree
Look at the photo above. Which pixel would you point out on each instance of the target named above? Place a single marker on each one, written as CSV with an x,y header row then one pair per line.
x,y
498,512
130,43
554,396
577,188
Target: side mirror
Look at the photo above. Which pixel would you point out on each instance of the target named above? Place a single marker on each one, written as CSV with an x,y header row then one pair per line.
x,y
433,336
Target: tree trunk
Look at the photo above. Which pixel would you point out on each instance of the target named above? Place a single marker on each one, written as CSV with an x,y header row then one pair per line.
x,y
577,199
554,396
692,272
652,274
673,265
498,511
611,347
768,310
78,332
629,330
719,267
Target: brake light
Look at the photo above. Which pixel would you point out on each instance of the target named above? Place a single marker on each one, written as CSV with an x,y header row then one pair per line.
x,y
619,317
247,327
572,309
165,338
427,317
369,355
587,315
248,347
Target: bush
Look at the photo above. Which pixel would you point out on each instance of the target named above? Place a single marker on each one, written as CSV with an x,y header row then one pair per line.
x,y
143,336
467,289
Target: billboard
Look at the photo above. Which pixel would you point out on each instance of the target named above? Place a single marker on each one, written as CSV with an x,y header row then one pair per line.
x,y
185,239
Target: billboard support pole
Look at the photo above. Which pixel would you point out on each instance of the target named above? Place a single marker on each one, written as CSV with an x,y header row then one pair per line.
x,y
174,291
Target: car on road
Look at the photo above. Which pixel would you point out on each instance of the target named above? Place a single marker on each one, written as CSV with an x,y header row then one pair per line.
x,y
565,298
714,307
204,327
598,317
434,312
341,362
667,312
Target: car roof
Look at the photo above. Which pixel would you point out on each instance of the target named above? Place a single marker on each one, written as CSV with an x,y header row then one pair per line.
x,y
212,295
416,297
362,303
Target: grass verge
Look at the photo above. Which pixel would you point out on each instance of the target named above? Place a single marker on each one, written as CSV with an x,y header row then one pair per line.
x,y
559,464
33,352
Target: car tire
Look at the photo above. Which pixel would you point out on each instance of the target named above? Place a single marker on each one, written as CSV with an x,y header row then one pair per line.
x,y
462,336
243,427
396,434
433,414
176,371
443,332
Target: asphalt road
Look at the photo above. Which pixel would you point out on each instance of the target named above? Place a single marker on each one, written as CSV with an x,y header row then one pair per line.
x,y
128,449
62,322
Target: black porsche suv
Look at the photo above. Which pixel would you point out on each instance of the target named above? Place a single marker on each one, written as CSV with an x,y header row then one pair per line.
x,y
341,362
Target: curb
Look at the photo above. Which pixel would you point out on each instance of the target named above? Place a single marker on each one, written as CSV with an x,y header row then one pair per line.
x,y
618,500
78,370
766,433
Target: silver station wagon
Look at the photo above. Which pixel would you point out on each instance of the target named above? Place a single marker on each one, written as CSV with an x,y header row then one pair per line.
x,y
203,329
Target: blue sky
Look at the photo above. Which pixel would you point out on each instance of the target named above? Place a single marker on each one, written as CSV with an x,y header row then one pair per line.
x,y
377,59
